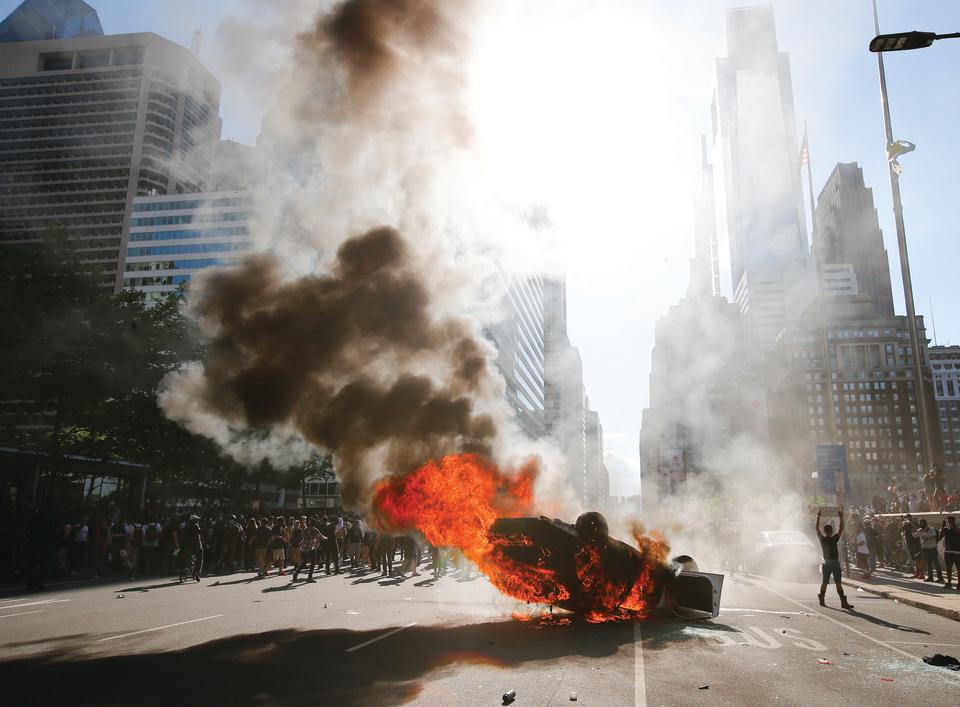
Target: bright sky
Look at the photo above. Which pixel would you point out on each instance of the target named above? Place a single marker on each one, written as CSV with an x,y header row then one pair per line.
x,y
594,108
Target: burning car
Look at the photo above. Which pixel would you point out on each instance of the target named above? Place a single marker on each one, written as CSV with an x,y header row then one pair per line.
x,y
466,502
582,569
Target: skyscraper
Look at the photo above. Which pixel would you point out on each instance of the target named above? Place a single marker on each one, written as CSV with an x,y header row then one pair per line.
x,y
175,236
945,361
88,122
760,206
870,386
519,338
50,19
848,233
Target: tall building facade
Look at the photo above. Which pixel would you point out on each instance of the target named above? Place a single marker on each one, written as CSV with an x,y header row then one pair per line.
x,y
173,237
760,208
945,362
89,122
50,19
847,237
870,387
520,342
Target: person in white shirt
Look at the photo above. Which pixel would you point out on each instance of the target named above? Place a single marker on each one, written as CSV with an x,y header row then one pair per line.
x,y
928,548
863,553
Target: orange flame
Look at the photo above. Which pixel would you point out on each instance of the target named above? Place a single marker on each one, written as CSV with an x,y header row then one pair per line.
x,y
455,501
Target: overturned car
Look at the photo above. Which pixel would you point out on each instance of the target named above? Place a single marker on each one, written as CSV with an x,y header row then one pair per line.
x,y
582,569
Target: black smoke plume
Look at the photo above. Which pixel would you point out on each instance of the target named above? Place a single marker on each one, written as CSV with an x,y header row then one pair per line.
x,y
334,357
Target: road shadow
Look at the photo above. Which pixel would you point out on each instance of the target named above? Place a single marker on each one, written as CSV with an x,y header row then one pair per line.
x,y
148,587
244,580
918,586
878,621
311,667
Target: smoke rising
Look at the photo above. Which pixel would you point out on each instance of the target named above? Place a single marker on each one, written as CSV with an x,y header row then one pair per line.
x,y
356,330
334,357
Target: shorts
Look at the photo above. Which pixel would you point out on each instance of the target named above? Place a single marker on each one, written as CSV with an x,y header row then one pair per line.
x,y
831,567
278,554
353,548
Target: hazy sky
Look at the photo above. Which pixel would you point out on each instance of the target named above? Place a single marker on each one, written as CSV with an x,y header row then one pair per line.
x,y
594,109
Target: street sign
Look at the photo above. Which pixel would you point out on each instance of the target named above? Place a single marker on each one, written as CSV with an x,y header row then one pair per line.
x,y
832,475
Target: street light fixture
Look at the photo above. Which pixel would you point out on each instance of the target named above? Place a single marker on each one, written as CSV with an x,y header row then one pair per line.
x,y
894,149
904,41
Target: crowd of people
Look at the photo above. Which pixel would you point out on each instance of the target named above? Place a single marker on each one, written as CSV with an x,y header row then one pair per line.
x,y
907,544
32,549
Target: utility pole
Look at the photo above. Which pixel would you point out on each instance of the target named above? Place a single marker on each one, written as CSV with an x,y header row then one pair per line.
x,y
917,351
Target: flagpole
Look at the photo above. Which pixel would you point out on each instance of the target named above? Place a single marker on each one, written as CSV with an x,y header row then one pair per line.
x,y
824,330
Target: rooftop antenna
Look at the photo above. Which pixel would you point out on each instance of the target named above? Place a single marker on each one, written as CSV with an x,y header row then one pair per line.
x,y
196,41
934,323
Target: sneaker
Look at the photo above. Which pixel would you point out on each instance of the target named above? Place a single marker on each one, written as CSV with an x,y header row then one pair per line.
x,y
948,586
928,579
822,602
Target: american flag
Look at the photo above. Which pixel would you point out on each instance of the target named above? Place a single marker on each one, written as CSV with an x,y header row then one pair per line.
x,y
804,150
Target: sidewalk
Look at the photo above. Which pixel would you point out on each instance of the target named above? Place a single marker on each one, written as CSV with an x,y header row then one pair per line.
x,y
929,596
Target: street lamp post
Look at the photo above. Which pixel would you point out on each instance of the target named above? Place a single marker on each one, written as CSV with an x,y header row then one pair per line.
x,y
921,393
905,41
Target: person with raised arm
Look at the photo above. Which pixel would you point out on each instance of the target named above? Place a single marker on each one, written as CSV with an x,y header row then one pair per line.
x,y
831,560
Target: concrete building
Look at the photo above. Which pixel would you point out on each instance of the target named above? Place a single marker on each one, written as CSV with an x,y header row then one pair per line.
x,y
598,480
701,393
565,396
173,237
848,239
234,167
945,364
50,19
760,199
520,342
871,388
88,122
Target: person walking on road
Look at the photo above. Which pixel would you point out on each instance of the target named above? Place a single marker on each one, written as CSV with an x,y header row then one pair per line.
x,y
331,550
951,549
309,544
191,549
831,560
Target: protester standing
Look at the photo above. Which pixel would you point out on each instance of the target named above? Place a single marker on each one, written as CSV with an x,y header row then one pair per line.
x,y
831,560
950,536
928,549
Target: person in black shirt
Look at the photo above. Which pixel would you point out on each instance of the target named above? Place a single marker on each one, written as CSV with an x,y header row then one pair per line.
x,y
951,549
831,560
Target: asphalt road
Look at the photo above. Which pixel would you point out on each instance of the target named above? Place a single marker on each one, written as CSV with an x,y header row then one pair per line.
x,y
366,640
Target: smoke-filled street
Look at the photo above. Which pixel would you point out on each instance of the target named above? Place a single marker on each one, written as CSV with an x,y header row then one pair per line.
x,y
367,640
569,330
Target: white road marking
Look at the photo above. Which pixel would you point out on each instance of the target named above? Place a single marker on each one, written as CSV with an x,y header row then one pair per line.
x,y
354,613
639,676
926,643
380,638
159,628
885,644
765,611
34,603
22,613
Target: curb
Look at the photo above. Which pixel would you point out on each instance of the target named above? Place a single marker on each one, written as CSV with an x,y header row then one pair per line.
x,y
919,604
